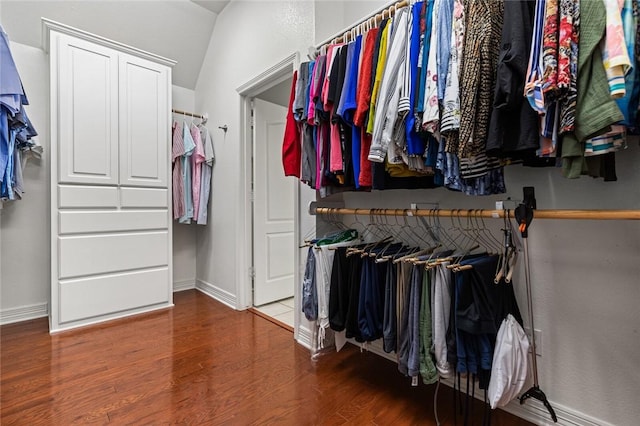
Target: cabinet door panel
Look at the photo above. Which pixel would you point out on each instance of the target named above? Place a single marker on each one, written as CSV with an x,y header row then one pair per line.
x,y
143,122
88,126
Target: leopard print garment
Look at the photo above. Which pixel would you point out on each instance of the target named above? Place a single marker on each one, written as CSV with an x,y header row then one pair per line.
x,y
483,35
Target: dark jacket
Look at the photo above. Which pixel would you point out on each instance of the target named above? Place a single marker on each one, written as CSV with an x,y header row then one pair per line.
x,y
514,125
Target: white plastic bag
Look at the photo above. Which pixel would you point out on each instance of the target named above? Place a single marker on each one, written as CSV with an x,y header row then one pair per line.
x,y
510,363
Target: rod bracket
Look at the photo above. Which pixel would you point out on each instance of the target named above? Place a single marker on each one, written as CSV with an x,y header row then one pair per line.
x,y
524,211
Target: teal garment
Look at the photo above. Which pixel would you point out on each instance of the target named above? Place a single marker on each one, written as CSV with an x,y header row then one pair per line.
x,y
338,237
596,111
189,147
628,104
427,367
426,47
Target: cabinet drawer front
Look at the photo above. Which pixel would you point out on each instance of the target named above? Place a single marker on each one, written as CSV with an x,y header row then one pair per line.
x,y
101,254
76,222
77,196
96,296
144,197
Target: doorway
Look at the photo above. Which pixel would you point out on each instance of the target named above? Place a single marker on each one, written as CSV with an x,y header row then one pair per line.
x,y
273,208
270,205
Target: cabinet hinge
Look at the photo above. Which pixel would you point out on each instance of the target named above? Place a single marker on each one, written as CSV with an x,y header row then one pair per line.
x,y
252,272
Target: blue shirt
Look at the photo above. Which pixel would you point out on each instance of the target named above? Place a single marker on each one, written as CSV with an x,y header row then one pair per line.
x,y
445,26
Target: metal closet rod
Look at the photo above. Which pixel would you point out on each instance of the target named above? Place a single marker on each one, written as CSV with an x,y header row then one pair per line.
x,y
190,114
482,213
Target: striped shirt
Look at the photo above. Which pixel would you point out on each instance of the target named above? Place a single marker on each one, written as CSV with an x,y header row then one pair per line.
x,y
177,151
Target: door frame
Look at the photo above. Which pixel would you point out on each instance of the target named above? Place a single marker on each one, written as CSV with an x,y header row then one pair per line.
x,y
270,77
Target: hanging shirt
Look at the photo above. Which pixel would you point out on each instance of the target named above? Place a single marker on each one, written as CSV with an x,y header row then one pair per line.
x,y
424,54
430,107
177,151
568,102
614,49
550,52
380,64
415,143
301,87
291,150
205,180
196,168
484,24
15,127
445,22
331,54
450,120
390,83
189,147
363,96
532,87
628,104
12,94
349,108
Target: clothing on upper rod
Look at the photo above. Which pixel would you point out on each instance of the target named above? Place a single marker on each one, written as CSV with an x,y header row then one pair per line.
x,y
192,161
17,133
412,103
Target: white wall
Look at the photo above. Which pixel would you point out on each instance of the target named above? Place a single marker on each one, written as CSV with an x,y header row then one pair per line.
x,y
333,16
584,278
24,279
249,37
184,236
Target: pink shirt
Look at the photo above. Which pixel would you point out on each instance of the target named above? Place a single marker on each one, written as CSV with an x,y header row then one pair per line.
x,y
197,158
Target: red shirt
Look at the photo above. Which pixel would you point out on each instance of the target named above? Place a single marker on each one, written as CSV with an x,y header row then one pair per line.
x,y
291,148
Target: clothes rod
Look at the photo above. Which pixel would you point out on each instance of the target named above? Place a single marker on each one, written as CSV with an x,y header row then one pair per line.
x,y
481,213
372,20
190,114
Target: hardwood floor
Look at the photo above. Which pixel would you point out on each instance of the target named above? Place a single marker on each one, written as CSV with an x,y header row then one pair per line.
x,y
202,363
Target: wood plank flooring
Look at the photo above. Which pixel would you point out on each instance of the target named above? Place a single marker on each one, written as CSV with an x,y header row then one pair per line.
x,y
202,363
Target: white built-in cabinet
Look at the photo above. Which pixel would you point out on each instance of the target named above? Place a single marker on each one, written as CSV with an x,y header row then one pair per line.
x,y
110,185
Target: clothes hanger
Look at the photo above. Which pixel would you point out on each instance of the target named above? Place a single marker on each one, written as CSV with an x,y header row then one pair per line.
x,y
481,237
470,242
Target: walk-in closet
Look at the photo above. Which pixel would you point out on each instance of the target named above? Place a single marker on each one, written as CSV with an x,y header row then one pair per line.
x,y
319,212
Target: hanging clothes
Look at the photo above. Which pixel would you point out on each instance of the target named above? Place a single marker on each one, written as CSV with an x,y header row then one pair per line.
x,y
324,254
514,125
206,176
16,130
189,147
291,151
433,95
177,151
197,159
595,109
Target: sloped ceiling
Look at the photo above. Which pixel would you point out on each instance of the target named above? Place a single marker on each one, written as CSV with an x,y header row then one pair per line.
x,y
177,29
215,6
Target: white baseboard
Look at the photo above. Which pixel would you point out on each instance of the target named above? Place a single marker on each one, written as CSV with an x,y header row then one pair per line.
x,y
304,337
24,313
222,296
532,410
184,285
109,317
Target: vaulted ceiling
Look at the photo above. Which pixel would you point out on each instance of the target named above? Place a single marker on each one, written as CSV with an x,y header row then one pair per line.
x,y
176,29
